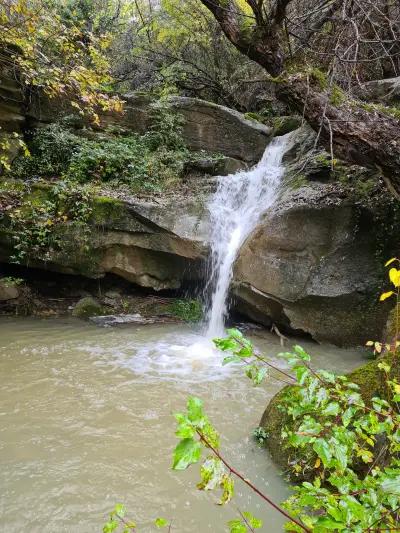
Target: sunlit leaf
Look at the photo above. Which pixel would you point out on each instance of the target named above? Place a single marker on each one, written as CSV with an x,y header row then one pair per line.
x,y
385,295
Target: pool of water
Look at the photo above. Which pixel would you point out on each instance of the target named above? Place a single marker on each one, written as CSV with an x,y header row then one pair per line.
x,y
86,422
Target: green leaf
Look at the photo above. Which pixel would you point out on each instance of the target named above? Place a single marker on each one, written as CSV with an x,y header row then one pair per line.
x,y
332,409
235,333
254,522
187,452
237,526
119,509
226,345
195,409
322,449
231,359
301,353
391,486
212,473
110,526
228,489
326,524
161,522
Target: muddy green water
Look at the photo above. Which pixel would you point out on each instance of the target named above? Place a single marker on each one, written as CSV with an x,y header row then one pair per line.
x,y
86,422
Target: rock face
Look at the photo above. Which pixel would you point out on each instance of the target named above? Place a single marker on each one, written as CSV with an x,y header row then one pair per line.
x,y
314,263
215,128
156,243
207,126
386,91
311,265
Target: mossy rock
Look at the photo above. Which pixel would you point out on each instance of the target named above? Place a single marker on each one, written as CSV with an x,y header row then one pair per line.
x,y
286,124
368,377
87,307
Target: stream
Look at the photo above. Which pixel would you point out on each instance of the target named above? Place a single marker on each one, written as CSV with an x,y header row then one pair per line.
x,y
86,422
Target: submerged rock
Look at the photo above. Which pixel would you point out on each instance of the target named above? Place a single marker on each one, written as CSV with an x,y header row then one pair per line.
x,y
115,320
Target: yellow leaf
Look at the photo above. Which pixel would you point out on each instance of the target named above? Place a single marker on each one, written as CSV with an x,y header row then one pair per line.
x,y
391,261
317,463
378,347
386,295
394,276
369,343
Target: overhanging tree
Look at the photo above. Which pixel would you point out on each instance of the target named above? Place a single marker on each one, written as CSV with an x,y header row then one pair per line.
x,y
352,42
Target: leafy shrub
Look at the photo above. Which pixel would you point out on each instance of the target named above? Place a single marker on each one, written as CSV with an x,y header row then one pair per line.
x,y
150,162
260,435
51,150
36,221
188,310
121,158
349,449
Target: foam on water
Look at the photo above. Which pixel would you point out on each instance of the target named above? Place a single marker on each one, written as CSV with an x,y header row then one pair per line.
x,y
187,357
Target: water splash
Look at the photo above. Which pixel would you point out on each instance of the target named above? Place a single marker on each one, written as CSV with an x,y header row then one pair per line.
x,y
235,209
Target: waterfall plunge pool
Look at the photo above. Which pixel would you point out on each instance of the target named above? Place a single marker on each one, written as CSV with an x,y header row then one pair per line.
x,y
86,422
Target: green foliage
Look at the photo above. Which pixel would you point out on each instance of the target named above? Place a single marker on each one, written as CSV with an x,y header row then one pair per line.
x,y
260,435
337,96
161,522
117,521
151,162
51,150
298,181
197,434
87,307
392,112
241,351
36,223
58,56
248,522
10,281
348,450
188,310
319,77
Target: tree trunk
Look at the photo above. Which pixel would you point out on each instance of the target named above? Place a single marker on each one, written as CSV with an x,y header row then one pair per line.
x,y
354,133
364,137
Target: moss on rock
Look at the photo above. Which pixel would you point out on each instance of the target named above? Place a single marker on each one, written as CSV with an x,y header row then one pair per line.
x,y
87,307
368,377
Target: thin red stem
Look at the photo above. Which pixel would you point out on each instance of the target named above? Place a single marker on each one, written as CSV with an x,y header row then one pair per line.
x,y
250,484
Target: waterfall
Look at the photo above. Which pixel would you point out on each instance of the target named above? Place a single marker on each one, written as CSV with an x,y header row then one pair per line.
x,y
235,208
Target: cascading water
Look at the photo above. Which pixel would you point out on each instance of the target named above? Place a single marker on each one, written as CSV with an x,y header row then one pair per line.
x,y
235,209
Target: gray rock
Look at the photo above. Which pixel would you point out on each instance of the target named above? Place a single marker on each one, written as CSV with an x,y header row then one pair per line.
x,y
312,265
216,128
115,320
386,91
8,291
87,307
112,294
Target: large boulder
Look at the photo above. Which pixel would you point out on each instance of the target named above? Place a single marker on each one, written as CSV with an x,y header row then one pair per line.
x,y
216,128
311,265
372,383
315,261
8,291
386,91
